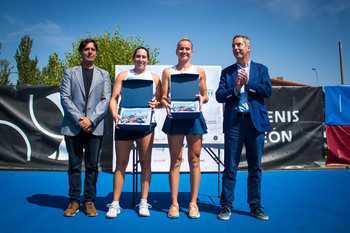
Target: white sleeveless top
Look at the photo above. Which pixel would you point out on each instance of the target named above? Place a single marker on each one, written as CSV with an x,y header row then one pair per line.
x,y
132,75
191,70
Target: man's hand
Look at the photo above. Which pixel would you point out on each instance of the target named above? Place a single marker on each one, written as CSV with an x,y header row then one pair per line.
x,y
85,124
242,80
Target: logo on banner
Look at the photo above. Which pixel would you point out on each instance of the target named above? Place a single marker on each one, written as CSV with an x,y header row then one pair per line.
x,y
278,117
27,133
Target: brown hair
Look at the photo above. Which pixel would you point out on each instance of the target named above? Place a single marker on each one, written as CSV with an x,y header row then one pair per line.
x,y
185,39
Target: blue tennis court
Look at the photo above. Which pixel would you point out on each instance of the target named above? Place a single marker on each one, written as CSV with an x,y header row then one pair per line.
x,y
296,201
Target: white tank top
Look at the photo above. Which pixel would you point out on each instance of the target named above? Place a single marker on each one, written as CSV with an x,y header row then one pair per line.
x,y
191,70
132,75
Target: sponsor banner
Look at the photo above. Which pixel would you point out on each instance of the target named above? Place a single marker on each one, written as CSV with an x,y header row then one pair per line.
x,y
30,124
296,138
338,138
31,116
337,104
337,107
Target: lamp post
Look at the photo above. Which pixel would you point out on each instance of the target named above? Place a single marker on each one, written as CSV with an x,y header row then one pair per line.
x,y
341,63
316,75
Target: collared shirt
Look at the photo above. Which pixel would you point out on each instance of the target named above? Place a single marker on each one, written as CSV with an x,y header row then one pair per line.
x,y
243,100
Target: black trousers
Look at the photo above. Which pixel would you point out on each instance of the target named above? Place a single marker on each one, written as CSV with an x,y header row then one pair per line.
x,y
77,146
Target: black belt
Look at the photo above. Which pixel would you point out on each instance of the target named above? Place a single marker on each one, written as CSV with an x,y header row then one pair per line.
x,y
243,114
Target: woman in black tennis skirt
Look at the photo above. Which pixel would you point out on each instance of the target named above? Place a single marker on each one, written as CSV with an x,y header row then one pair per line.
x,y
124,139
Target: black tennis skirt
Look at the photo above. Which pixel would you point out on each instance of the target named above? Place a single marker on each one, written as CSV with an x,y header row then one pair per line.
x,y
127,135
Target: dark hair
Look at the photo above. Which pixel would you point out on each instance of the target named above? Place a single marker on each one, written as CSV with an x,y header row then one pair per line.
x,y
83,43
133,56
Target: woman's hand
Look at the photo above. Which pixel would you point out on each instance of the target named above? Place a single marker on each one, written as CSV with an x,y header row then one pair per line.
x,y
168,109
154,104
200,101
165,103
117,118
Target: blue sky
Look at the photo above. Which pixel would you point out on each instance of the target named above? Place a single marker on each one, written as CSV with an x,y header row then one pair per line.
x,y
289,36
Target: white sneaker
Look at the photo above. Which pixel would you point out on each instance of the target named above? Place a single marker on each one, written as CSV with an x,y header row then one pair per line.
x,y
143,209
114,210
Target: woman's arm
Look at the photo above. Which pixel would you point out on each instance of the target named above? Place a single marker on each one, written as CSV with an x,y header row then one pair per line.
x,y
113,104
165,90
204,98
156,103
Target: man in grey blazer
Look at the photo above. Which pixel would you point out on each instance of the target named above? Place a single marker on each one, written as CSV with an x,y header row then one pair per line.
x,y
85,94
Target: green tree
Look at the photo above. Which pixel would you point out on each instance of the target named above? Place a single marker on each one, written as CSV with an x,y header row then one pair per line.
x,y
28,73
5,71
52,73
114,49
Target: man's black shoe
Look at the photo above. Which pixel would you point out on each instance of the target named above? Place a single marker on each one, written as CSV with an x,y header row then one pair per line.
x,y
258,213
224,214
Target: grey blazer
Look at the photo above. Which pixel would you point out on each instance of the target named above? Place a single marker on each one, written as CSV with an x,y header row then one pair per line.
x,y
73,100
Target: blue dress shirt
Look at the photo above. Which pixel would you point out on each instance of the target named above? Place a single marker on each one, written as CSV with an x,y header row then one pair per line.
x,y
243,100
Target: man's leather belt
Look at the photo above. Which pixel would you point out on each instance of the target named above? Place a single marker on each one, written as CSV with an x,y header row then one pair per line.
x,y
243,114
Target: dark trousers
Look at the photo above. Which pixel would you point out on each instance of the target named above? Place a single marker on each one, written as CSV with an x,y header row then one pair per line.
x,y
243,132
76,145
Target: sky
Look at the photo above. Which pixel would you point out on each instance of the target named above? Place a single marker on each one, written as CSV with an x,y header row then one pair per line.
x,y
290,37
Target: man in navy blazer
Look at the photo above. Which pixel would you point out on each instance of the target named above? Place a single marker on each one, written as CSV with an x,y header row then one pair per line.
x,y
242,88
85,94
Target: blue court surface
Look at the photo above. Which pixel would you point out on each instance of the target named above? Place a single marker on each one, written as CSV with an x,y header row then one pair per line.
x,y
296,201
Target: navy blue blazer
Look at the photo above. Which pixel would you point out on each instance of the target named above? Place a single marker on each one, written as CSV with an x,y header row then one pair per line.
x,y
259,87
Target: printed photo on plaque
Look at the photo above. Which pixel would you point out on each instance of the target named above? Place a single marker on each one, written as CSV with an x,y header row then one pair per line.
x,y
135,116
184,106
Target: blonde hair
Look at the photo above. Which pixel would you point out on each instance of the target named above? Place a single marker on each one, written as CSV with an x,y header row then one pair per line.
x,y
185,39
